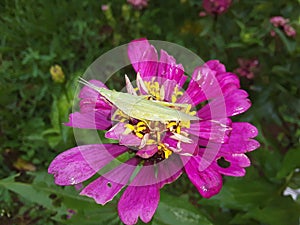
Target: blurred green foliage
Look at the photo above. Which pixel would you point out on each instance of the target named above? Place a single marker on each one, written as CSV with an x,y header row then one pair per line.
x,y
36,35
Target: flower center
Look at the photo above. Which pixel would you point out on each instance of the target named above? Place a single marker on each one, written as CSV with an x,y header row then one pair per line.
x,y
158,139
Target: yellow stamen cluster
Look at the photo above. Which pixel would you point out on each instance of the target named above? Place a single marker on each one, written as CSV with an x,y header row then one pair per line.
x,y
138,128
153,89
174,126
162,149
176,94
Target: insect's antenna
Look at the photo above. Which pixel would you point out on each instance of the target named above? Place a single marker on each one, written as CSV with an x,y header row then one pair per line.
x,y
85,82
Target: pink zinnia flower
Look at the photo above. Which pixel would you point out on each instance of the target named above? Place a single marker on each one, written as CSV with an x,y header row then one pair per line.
x,y
104,7
216,6
139,4
289,31
247,67
282,23
163,150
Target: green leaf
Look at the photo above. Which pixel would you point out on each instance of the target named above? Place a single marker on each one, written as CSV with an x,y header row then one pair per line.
x,y
242,193
289,44
290,162
173,210
281,210
44,192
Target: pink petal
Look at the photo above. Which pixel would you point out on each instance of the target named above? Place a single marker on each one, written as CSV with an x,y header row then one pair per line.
x,y
245,129
89,120
210,81
228,82
106,187
91,104
147,152
207,182
138,200
232,104
143,57
240,139
92,100
117,132
80,163
237,164
130,140
169,86
203,86
87,92
141,201
213,130
216,66
168,68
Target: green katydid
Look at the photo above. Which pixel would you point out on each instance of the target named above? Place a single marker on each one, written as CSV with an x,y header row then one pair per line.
x,y
139,107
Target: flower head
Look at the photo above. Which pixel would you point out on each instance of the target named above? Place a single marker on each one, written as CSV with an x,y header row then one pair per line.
x,y
158,127
282,23
247,67
104,7
216,6
57,74
138,4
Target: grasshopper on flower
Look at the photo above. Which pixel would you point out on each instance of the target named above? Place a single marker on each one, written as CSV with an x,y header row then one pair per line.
x,y
139,107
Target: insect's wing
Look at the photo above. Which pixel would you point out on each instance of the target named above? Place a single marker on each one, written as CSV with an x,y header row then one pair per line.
x,y
154,111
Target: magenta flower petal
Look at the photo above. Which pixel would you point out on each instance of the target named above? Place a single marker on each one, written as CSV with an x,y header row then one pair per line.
x,y
80,163
130,140
89,120
116,131
92,100
214,130
147,151
90,104
169,86
202,86
167,68
240,139
87,92
236,102
216,66
104,189
131,205
143,57
237,164
210,81
207,182
245,129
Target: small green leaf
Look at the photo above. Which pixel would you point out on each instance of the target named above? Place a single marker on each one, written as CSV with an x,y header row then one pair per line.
x,y
173,210
290,162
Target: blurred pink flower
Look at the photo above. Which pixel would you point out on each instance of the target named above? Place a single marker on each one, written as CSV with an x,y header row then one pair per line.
x,y
139,4
216,6
202,14
289,31
282,23
247,67
278,21
104,7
